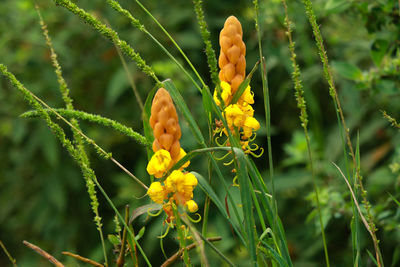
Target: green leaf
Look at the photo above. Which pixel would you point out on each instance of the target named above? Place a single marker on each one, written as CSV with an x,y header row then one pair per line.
x,y
148,132
207,104
244,84
337,6
140,234
271,252
144,209
378,50
347,70
114,239
245,196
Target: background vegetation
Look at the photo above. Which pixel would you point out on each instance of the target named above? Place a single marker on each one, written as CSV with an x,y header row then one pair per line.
x,y
43,198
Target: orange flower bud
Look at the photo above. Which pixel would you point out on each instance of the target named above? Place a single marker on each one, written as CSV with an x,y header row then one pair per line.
x,y
232,60
165,124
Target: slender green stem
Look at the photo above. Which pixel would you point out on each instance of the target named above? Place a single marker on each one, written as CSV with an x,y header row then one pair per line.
x,y
333,92
301,104
121,257
122,220
182,236
81,115
393,121
205,34
208,242
173,41
109,34
264,79
130,79
13,261
136,23
207,200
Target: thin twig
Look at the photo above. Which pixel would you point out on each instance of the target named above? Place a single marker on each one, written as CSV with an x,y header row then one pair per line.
x,y
44,254
83,259
367,226
121,257
392,120
13,261
174,257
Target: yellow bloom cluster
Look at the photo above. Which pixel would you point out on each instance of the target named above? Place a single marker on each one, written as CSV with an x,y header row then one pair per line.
x,y
232,62
161,162
179,185
239,115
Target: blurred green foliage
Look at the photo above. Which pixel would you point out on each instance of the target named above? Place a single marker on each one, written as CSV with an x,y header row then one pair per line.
x,y
42,193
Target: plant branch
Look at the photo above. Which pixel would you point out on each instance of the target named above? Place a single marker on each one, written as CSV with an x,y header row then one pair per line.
x,y
366,224
13,261
44,254
77,114
301,104
83,259
174,257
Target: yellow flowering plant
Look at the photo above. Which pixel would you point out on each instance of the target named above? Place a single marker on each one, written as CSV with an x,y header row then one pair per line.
x,y
250,210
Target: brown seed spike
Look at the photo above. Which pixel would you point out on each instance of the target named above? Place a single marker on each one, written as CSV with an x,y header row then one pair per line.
x,y
165,124
232,60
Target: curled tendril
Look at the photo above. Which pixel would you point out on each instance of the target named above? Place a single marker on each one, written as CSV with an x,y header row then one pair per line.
x,y
166,232
254,148
255,155
229,163
253,137
194,220
218,143
154,214
224,156
235,183
140,197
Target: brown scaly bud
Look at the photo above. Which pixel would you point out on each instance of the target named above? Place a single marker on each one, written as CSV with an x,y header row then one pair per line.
x,y
232,60
165,124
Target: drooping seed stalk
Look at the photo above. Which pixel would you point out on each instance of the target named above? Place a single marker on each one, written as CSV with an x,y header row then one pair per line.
x,y
301,104
333,92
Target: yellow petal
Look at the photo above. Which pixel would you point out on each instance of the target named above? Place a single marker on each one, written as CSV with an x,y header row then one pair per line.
x,y
192,205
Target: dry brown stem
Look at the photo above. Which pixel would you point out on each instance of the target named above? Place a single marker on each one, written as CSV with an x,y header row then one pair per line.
x,y
44,254
83,259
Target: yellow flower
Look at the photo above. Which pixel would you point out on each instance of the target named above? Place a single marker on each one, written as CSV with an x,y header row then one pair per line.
x,y
159,163
191,205
250,125
225,94
181,185
182,153
247,110
157,192
174,180
234,115
247,96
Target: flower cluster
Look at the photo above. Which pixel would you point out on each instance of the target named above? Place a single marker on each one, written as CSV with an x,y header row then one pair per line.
x,y
240,115
179,185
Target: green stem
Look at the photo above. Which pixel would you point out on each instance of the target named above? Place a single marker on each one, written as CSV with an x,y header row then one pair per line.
x,y
264,79
173,41
13,261
301,103
109,34
81,115
205,34
182,236
333,92
136,23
